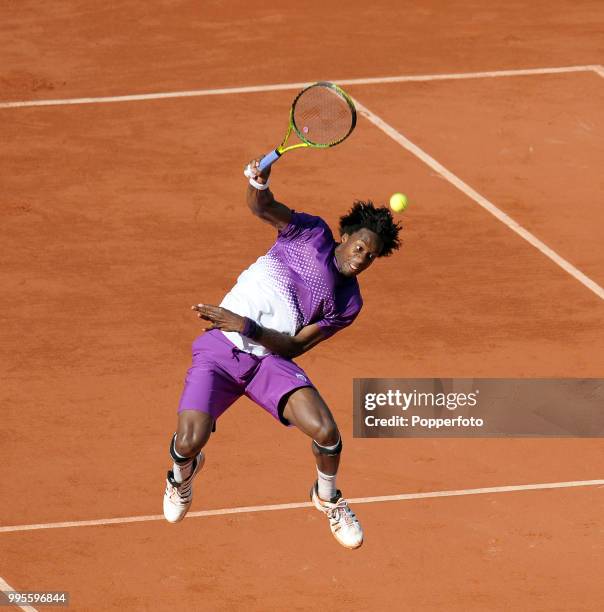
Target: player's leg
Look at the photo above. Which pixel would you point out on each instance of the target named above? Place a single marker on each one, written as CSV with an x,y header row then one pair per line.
x,y
282,388
306,409
193,431
192,434
211,386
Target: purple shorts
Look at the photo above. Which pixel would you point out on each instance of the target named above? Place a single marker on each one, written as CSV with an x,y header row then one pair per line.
x,y
221,373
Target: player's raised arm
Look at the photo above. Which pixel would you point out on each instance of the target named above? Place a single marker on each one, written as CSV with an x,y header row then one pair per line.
x,y
261,200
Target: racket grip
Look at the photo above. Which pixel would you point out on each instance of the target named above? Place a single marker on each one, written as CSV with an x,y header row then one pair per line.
x,y
269,160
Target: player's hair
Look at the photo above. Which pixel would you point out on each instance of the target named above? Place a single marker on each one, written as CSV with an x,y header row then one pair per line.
x,y
364,214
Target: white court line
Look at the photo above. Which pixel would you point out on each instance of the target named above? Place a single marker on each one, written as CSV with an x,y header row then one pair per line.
x,y
481,200
7,588
599,70
285,86
268,508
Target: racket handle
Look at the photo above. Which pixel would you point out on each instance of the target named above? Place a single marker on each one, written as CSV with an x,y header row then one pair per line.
x,y
269,160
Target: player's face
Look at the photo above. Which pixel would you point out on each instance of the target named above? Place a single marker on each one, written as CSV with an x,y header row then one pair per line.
x,y
357,251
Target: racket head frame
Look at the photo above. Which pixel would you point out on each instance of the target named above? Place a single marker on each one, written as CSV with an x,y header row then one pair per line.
x,y
271,157
300,133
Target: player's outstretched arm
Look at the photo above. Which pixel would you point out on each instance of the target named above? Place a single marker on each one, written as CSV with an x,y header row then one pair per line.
x,y
276,342
261,201
290,346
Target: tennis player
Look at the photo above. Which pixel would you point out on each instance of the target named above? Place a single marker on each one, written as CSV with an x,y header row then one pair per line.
x,y
299,294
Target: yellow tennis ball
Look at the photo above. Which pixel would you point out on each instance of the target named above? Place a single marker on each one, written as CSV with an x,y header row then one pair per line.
x,y
398,202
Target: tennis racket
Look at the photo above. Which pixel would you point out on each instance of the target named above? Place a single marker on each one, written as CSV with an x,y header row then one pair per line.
x,y
322,115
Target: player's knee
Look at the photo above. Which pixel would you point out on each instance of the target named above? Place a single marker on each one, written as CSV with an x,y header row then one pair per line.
x,y
327,434
187,444
190,441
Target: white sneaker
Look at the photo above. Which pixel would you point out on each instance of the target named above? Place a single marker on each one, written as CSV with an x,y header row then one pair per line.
x,y
179,495
342,521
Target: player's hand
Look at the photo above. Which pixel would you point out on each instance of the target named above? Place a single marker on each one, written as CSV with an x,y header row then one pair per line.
x,y
219,318
252,171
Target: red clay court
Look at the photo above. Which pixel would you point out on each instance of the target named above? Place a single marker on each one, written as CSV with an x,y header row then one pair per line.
x,y
125,131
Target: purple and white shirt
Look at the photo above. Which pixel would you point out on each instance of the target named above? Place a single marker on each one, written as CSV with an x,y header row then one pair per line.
x,y
295,284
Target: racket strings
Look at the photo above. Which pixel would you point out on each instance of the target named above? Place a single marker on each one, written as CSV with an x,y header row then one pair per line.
x,y
322,116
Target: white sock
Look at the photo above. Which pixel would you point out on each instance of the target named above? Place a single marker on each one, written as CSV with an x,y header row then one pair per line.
x,y
326,485
182,470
